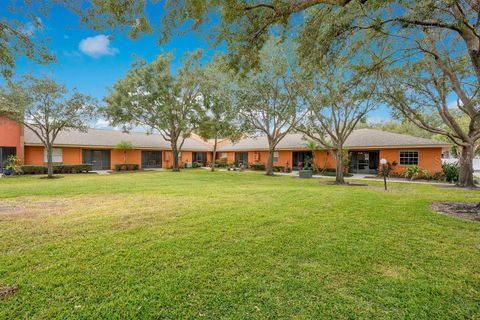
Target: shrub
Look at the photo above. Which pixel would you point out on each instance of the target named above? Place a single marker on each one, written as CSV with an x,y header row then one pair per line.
x,y
197,164
451,171
60,168
278,168
415,172
12,165
389,168
127,167
221,163
258,166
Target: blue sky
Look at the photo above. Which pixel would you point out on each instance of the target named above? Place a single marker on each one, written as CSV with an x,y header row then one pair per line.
x,y
93,61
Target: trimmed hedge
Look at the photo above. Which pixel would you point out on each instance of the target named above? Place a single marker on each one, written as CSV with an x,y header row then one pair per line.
x,y
127,167
58,168
258,166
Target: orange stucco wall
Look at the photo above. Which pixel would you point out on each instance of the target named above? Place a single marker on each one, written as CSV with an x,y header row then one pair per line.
x,y
34,155
11,135
429,159
132,157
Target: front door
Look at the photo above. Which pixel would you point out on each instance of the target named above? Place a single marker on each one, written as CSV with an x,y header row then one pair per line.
x,y
241,159
200,157
151,159
364,161
99,159
301,159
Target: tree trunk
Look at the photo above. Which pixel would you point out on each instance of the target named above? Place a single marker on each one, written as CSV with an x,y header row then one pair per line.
x,y
314,162
339,166
49,161
175,167
465,177
270,162
214,155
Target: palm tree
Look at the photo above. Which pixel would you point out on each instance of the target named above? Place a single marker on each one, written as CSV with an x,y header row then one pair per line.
x,y
124,146
313,146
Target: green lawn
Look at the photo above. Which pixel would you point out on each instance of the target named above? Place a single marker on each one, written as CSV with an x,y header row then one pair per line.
x,y
234,245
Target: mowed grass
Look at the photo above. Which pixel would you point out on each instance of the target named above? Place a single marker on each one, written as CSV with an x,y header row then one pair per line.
x,y
207,245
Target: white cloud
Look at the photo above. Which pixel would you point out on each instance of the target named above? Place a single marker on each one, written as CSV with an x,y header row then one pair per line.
x,y
97,46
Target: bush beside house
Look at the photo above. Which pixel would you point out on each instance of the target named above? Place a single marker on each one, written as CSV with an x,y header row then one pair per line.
x,y
127,167
61,168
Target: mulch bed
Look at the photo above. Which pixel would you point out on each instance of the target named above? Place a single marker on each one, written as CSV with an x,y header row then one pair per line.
x,y
468,211
7,290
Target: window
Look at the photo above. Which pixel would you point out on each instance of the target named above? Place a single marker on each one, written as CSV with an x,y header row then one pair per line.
x,y
179,157
223,155
57,155
275,156
408,158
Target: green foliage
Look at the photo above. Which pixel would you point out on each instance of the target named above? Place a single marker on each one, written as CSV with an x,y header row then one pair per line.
x,y
219,116
45,107
257,166
161,240
221,163
152,96
61,168
127,167
415,172
451,171
12,164
124,146
390,168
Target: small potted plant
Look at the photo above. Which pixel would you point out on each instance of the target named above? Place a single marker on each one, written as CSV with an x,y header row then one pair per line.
x,y
305,172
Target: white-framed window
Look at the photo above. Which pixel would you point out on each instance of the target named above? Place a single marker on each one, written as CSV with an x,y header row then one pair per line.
x,y
275,156
408,158
223,155
57,155
179,157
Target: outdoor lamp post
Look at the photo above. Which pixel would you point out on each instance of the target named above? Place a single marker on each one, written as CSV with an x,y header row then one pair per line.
x,y
383,162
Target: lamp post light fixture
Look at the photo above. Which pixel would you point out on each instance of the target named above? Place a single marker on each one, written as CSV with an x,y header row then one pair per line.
x,y
383,162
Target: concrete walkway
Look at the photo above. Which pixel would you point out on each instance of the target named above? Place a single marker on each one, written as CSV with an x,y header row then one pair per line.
x,y
363,177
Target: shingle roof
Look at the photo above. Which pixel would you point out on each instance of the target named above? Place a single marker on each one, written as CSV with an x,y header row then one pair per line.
x,y
110,138
360,138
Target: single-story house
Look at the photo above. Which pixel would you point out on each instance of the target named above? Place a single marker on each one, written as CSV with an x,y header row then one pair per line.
x,y
97,147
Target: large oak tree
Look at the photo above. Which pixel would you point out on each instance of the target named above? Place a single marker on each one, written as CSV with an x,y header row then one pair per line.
x,y
152,96
45,107
267,100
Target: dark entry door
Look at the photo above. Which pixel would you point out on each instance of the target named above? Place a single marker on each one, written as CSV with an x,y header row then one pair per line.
x,y
241,158
99,159
6,152
151,159
200,157
364,161
302,157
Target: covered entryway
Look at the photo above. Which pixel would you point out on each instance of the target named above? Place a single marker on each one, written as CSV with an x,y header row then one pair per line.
x,y
151,159
200,157
6,152
364,161
301,158
99,159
